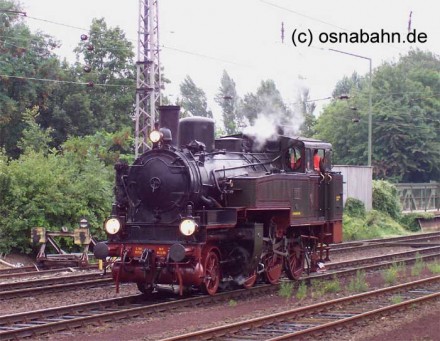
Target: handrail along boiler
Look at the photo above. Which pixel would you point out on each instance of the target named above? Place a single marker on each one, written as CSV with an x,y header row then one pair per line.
x,y
198,212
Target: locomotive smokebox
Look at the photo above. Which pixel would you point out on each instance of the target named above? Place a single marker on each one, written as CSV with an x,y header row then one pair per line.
x,y
197,128
169,118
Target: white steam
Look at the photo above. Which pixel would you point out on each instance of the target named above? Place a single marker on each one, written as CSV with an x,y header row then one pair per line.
x,y
273,121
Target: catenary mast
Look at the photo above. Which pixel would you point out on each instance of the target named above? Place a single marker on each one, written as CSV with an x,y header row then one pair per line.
x,y
148,78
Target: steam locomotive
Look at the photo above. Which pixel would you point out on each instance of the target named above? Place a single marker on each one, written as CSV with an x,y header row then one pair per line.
x,y
196,212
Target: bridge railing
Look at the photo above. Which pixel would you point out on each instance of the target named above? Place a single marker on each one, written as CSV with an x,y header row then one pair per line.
x,y
419,196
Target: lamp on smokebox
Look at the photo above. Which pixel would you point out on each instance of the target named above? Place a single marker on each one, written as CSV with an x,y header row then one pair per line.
x,y
83,223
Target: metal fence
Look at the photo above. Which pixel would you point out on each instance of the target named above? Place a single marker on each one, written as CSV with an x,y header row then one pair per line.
x,y
419,196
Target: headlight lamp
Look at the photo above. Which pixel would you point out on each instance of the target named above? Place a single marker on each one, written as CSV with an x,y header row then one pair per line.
x,y
188,227
155,136
83,223
112,226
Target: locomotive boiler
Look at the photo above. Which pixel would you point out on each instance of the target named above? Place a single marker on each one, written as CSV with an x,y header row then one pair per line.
x,y
196,212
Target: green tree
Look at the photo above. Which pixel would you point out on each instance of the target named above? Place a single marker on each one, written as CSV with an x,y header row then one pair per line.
x,y
347,84
229,101
306,108
193,99
24,57
406,120
338,125
267,101
34,138
112,72
101,98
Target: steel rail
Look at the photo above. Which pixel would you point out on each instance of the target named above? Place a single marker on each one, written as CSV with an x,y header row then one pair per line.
x,y
34,271
368,268
20,289
363,244
391,256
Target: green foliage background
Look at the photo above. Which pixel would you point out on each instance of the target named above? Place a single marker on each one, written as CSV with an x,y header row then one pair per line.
x,y
405,114
384,220
52,188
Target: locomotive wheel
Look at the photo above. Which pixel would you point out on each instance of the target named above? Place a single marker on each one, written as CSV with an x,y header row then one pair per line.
x,y
146,289
212,273
250,281
294,262
273,267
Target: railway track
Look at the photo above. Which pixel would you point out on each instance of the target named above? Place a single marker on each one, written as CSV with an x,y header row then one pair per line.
x,y
61,283
53,284
418,239
396,257
34,323
5,274
321,317
13,271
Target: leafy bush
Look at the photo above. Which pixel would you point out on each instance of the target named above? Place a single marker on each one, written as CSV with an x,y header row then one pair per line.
x,y
48,188
409,220
375,225
51,191
355,208
385,198
355,229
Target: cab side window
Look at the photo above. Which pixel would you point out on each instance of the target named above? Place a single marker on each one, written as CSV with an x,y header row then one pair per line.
x,y
295,159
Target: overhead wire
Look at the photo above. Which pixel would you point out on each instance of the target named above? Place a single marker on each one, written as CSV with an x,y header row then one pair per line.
x,y
163,46
66,82
186,51
58,23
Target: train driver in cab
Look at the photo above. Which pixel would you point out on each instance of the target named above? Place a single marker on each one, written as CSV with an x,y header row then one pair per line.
x,y
316,161
295,159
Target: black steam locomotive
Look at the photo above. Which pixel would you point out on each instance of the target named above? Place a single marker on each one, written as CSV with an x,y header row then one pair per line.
x,y
200,212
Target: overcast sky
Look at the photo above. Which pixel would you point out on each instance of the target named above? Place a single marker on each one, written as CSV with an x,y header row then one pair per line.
x,y
201,38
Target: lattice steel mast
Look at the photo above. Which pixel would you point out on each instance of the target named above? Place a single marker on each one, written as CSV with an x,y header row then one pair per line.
x,y
148,78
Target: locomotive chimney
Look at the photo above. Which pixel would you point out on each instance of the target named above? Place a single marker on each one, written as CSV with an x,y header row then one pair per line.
x,y
169,118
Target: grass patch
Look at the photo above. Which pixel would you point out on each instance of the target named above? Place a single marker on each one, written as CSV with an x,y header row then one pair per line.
x,y
396,299
418,266
319,288
391,274
332,286
286,289
232,303
302,291
358,283
434,268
